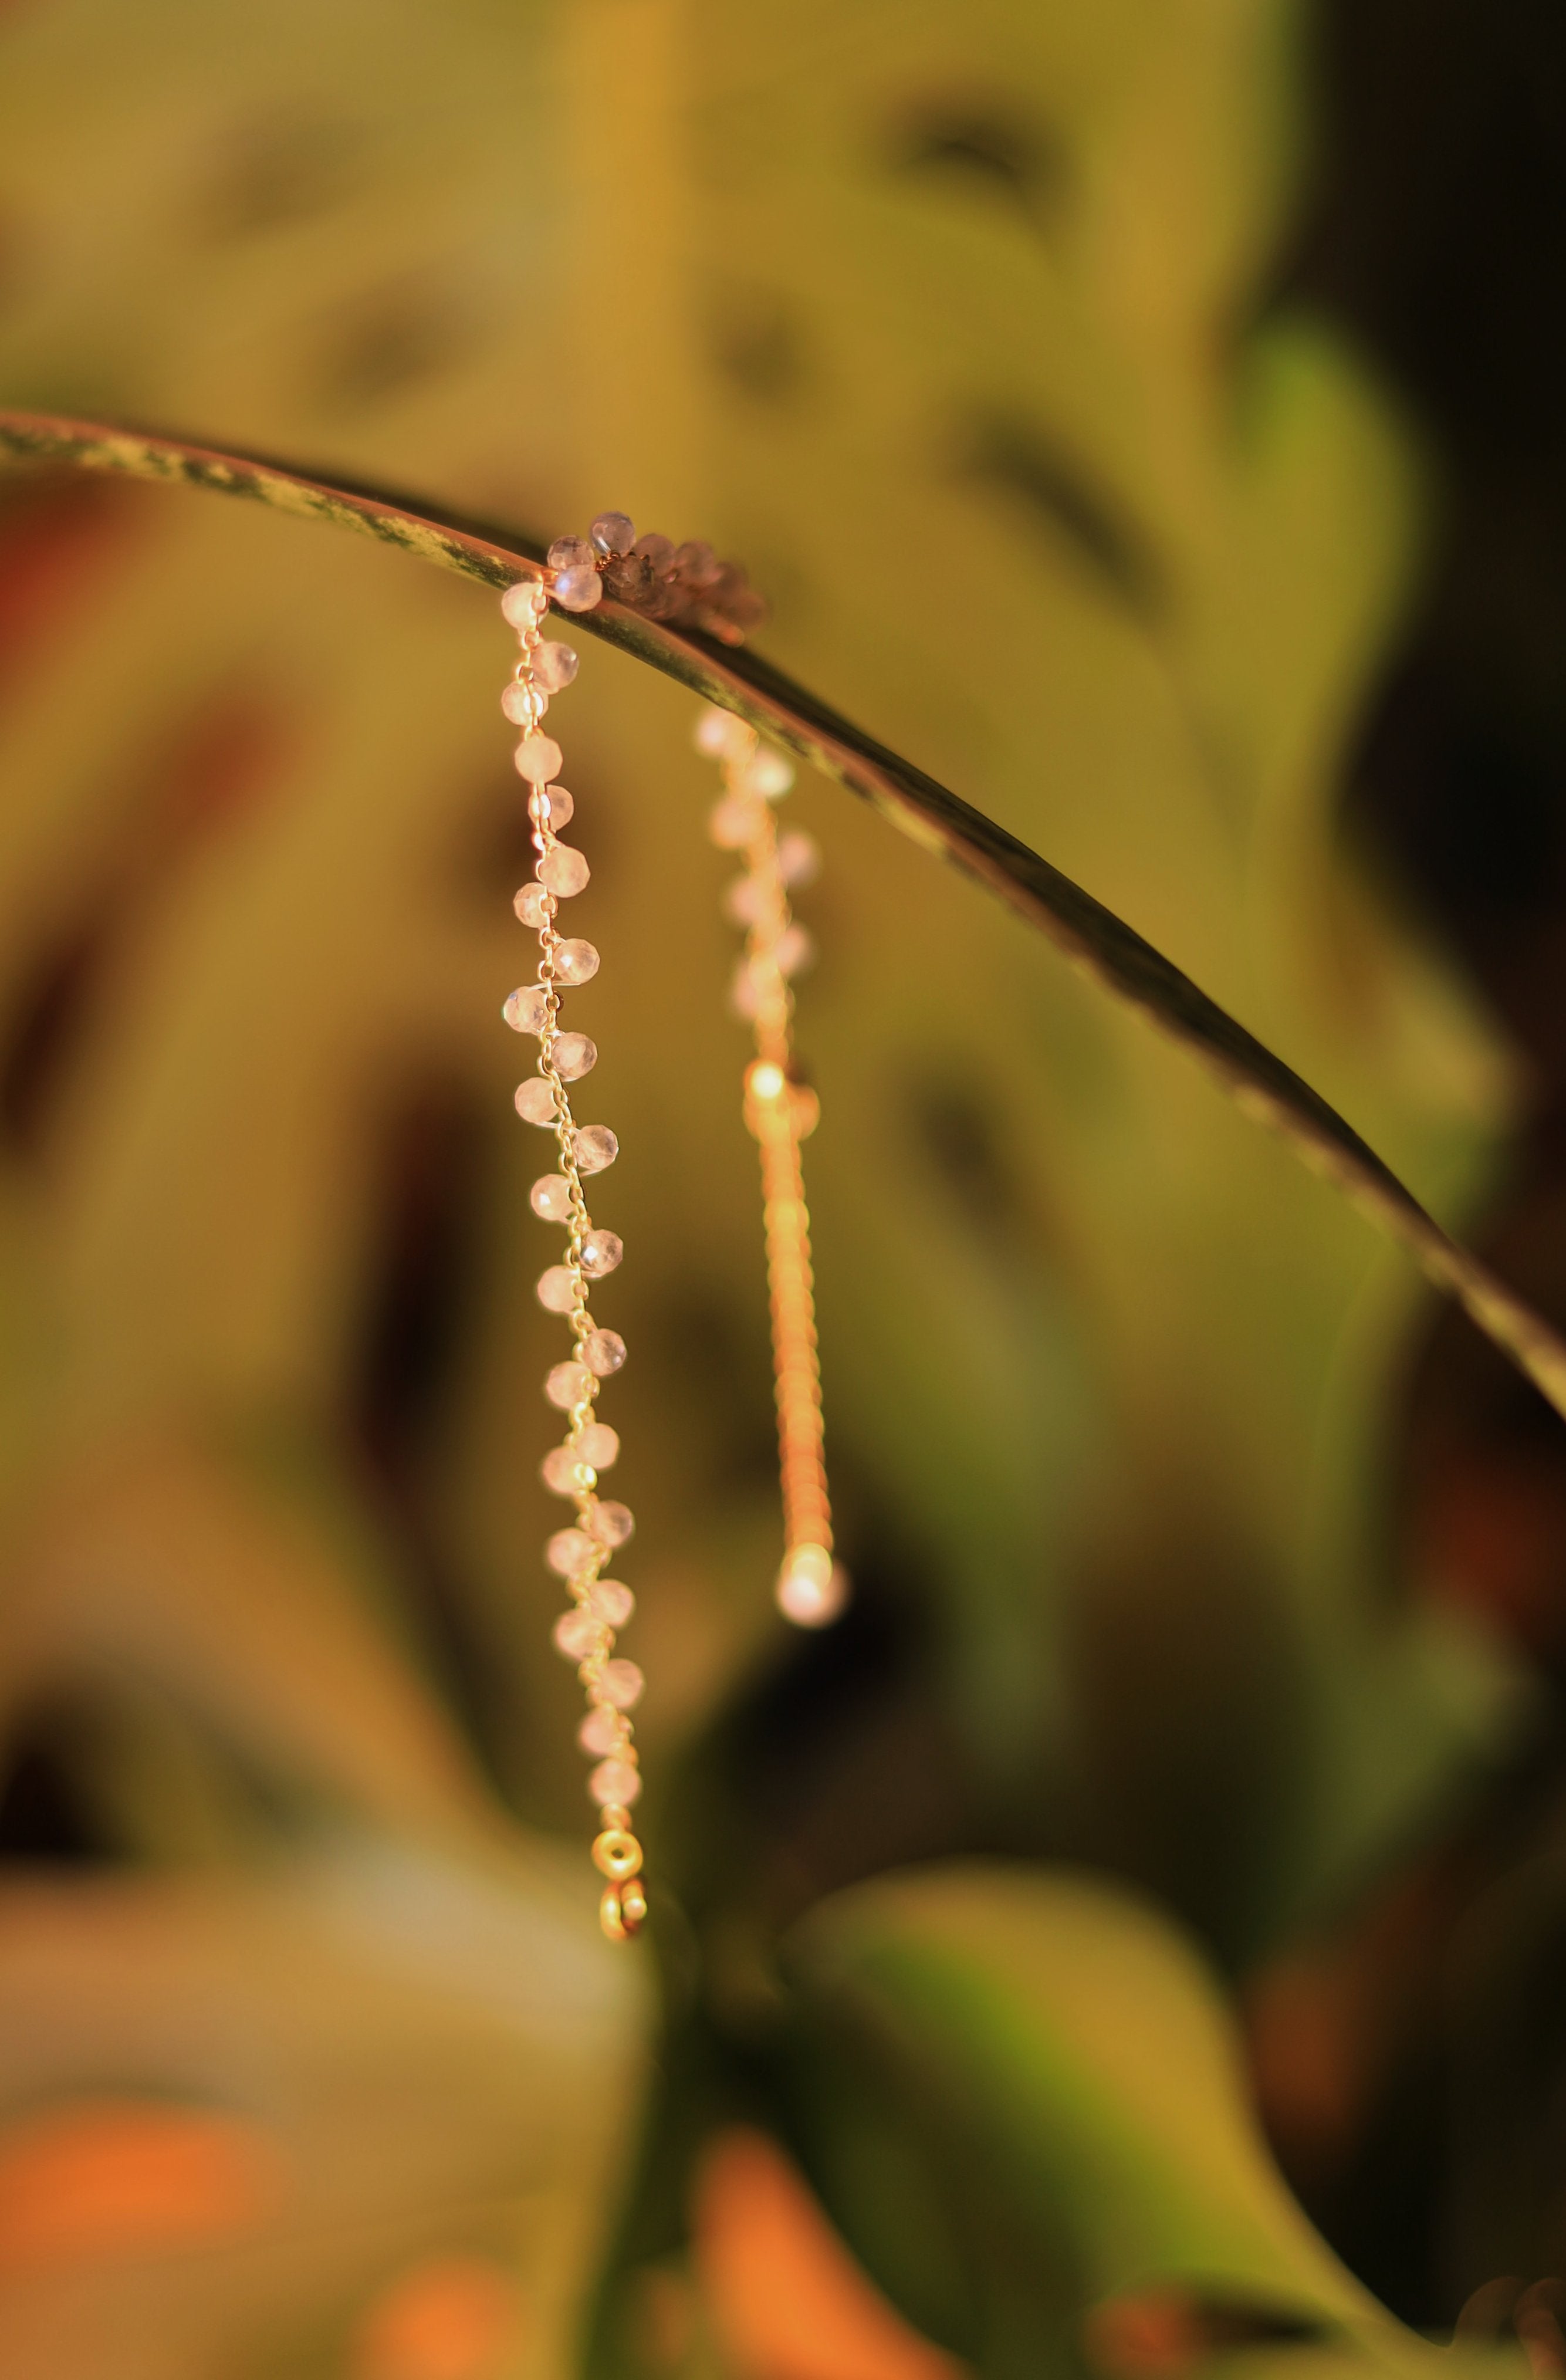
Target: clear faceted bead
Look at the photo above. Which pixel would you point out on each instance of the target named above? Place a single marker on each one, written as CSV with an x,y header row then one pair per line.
x,y
576,1635
768,773
554,665
575,962
599,1445
794,950
571,1551
613,533
570,553
565,1472
657,549
566,1384
718,733
615,1780
558,1289
622,1685
534,906
602,1730
811,1588
538,759
524,604
524,705
550,805
799,857
696,560
551,1197
742,901
535,1101
734,822
563,869
594,1146
526,1009
577,590
603,1352
610,1602
602,1251
611,1525
574,1056
744,991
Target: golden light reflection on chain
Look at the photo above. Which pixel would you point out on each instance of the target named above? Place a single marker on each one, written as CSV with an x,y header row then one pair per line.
x,y
781,1111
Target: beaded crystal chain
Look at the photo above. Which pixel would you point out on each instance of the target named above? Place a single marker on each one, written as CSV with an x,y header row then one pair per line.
x,y
780,1111
688,584
585,1632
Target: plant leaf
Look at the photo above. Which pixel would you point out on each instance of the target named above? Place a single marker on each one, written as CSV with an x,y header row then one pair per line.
x,y
1063,2068
1102,943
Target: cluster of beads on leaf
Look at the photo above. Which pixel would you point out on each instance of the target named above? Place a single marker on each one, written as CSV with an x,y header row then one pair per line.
x,y
598,1606
685,585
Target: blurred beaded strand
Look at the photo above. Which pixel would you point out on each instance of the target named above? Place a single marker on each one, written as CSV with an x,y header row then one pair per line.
x,y
585,1631
782,1112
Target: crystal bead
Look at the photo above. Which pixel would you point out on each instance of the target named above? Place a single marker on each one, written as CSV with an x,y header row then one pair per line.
x,y
599,1445
551,1197
799,857
811,1588
602,1730
746,607
745,992
526,1009
719,734
622,1685
613,533
657,549
628,579
697,563
576,1635
575,1055
734,822
550,805
563,869
793,950
524,604
577,590
742,901
524,705
558,1289
768,773
571,1551
535,1101
603,1352
538,759
575,962
554,665
602,1251
594,1146
565,1472
615,1780
610,1602
611,1525
534,906
570,553
566,1384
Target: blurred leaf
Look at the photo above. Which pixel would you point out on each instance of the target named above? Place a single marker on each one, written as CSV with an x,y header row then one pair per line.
x,y
310,2010
1060,2079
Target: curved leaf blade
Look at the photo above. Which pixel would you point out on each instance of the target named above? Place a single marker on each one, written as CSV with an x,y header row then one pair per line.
x,y
1061,2060
1117,958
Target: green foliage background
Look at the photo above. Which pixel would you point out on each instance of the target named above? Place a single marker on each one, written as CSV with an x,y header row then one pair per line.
x,y
955,324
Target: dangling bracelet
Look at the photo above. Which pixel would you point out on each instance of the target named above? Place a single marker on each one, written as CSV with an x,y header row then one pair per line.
x,y
669,582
